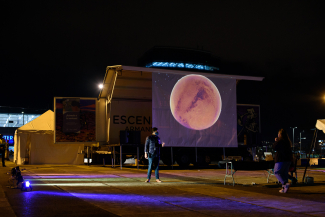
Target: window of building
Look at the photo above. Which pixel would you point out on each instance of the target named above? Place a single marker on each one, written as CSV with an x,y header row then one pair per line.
x,y
16,119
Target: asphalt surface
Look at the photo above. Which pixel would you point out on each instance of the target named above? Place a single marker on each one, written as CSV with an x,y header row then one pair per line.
x,y
79,190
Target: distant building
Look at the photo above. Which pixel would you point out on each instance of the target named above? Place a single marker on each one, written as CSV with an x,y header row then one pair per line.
x,y
12,118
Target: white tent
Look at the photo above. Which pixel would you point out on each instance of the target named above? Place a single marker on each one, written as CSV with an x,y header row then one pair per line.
x,y
320,125
34,144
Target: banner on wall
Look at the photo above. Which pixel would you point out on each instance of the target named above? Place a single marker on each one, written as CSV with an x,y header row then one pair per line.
x,y
248,124
194,110
129,115
75,120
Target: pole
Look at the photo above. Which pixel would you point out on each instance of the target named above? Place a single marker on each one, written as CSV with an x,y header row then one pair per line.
x,y
293,140
121,156
171,152
138,157
311,145
300,143
87,156
114,157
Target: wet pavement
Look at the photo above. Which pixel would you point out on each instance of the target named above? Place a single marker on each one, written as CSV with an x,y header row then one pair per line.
x,y
70,190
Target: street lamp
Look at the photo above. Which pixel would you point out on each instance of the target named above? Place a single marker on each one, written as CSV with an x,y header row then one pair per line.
x,y
293,138
300,141
23,118
100,86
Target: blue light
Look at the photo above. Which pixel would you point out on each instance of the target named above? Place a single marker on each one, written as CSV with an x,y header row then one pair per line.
x,y
173,65
181,65
157,64
10,138
27,184
207,68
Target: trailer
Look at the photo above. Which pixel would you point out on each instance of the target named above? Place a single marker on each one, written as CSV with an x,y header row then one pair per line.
x,y
195,112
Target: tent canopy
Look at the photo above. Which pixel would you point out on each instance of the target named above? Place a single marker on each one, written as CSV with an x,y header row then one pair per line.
x,y
43,122
34,143
320,125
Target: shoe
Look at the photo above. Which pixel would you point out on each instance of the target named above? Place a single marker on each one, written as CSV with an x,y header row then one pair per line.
x,y
294,181
158,180
148,180
3,165
282,190
286,188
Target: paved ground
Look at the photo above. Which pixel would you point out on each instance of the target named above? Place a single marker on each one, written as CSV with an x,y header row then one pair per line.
x,y
65,190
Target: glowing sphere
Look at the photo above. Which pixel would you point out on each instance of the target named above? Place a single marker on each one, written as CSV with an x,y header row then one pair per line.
x,y
195,102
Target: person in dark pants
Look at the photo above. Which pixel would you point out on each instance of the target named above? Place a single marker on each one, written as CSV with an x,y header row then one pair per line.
x,y
3,149
152,153
283,159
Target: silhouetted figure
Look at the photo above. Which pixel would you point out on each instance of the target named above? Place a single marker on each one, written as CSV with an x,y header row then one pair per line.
x,y
3,144
283,159
152,153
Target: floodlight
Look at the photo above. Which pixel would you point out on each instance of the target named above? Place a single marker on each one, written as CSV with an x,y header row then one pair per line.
x,y
26,186
86,160
100,86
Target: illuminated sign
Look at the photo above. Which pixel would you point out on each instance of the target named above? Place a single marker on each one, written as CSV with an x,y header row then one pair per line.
x,y
10,138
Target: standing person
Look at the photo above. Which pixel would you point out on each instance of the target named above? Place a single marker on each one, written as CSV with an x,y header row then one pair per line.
x,y
3,149
283,159
152,153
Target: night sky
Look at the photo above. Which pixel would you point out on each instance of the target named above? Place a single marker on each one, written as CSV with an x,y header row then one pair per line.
x,y
62,48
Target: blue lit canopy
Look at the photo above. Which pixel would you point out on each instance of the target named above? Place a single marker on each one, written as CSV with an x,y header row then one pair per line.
x,y
182,65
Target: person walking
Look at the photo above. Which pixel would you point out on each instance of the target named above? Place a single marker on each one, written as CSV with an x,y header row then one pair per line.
x,y
283,159
152,153
3,144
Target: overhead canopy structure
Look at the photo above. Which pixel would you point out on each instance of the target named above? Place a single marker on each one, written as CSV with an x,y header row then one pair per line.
x,y
34,144
129,85
135,82
320,125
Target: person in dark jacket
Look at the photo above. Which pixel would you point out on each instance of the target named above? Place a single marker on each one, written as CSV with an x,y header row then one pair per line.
x,y
3,149
152,153
283,159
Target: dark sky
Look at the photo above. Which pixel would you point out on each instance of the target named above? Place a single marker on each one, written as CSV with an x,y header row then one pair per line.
x,y
61,48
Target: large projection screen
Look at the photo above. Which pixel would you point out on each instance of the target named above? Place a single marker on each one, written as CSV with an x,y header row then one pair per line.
x,y
194,110
74,120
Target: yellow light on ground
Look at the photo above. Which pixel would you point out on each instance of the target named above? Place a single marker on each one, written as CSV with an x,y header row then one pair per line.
x,y
100,86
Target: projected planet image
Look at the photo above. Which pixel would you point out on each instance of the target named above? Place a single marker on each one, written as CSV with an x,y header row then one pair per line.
x,y
195,102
